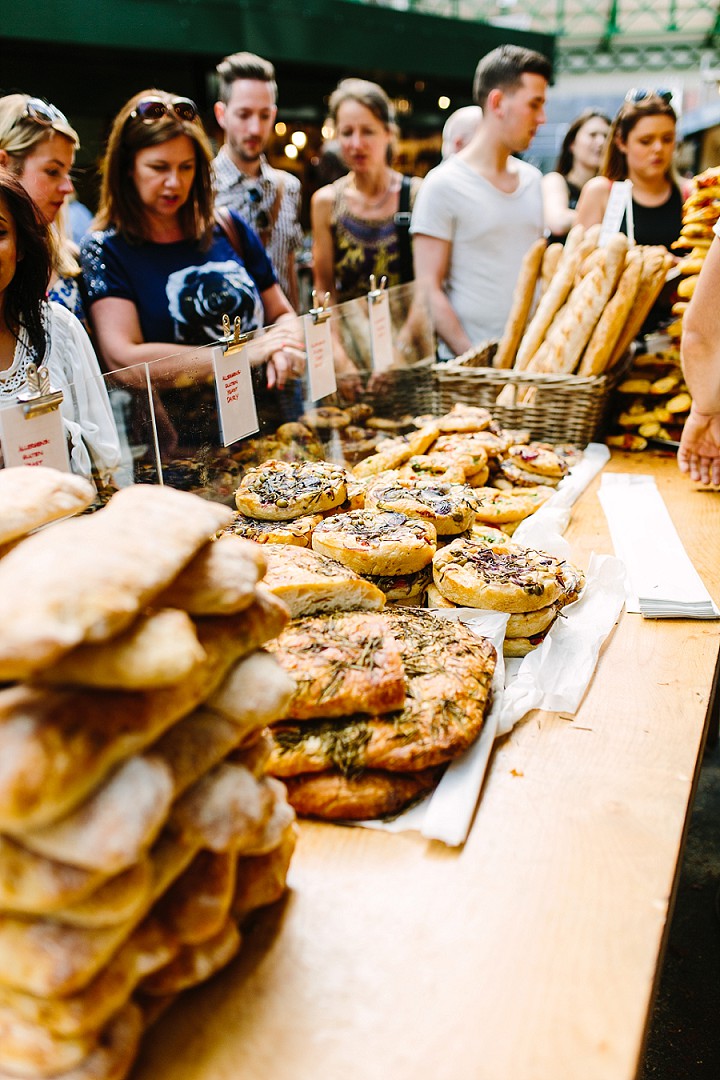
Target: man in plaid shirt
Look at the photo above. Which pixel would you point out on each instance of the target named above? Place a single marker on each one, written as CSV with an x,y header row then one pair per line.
x,y
268,198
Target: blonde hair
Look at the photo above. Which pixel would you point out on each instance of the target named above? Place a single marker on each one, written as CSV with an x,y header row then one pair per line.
x,y
20,135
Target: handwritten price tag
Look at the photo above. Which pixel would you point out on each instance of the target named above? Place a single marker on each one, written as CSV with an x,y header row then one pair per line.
x,y
320,365
237,413
36,440
380,330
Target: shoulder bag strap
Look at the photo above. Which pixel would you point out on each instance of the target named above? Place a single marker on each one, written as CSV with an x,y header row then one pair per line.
x,y
402,228
227,223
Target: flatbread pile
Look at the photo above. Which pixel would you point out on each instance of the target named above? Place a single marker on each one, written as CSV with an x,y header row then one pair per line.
x,y
483,572
31,498
138,826
383,702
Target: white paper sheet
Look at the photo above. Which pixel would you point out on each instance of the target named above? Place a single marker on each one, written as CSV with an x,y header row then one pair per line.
x,y
661,580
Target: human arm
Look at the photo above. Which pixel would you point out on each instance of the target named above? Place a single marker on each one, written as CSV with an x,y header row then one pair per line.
x,y
559,218
699,452
431,257
593,201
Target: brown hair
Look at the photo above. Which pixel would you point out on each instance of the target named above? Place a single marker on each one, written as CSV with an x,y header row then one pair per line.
x,y
614,163
372,96
244,65
503,69
565,157
120,205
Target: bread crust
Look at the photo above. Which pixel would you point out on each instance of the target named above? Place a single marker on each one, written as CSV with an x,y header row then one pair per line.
x,y
449,507
281,490
523,296
513,579
332,796
376,542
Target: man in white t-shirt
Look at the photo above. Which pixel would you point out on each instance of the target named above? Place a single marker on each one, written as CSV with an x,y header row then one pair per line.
x,y
477,213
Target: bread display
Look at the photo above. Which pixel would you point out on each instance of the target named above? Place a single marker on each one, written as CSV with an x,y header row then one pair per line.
x,y
138,826
33,497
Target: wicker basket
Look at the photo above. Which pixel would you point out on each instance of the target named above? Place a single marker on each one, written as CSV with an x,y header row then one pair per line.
x,y
562,408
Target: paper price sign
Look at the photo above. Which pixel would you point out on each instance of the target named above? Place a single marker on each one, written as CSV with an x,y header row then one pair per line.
x,y
381,346
237,414
619,204
33,440
320,365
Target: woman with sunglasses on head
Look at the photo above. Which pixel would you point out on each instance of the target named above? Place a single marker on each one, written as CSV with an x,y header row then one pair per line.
x,y
161,274
38,145
36,331
579,160
640,148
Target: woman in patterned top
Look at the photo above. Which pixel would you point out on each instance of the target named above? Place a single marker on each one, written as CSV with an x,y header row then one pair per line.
x,y
38,145
35,330
354,220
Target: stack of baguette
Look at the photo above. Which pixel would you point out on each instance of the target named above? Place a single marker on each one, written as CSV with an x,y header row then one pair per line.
x,y
591,303
137,824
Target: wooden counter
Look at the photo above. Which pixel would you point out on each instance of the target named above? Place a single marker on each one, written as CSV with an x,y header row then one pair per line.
x,y
532,953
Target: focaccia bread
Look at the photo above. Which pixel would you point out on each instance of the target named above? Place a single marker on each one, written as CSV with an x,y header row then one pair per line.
x,y
495,507
374,794
92,576
342,663
449,507
404,586
376,542
510,579
280,490
464,417
33,497
296,532
311,584
538,459
220,580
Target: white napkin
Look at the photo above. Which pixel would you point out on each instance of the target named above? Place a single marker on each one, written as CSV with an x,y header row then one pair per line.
x,y
661,580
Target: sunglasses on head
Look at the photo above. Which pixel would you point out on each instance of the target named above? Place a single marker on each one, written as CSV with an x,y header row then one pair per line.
x,y
40,112
152,108
639,93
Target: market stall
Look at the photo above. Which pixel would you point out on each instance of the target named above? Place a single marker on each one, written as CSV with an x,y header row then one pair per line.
x,y
531,952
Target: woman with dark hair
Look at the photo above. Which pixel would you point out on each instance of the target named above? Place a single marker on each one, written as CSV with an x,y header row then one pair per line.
x,y
361,222
35,330
640,147
578,161
161,271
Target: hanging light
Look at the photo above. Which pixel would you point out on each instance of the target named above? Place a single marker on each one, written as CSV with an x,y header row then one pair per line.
x,y
299,139
280,128
291,151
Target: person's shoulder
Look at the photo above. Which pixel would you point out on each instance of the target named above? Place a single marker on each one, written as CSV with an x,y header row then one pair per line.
x,y
528,173
325,196
61,320
98,238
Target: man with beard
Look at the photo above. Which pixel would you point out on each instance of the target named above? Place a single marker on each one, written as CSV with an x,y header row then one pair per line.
x,y
477,213
268,198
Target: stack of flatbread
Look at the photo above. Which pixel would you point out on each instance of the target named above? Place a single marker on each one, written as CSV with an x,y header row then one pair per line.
x,y
138,826
383,702
488,571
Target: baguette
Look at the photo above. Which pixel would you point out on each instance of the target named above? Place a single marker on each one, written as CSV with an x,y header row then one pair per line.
x,y
521,304
656,263
572,329
612,320
551,260
552,301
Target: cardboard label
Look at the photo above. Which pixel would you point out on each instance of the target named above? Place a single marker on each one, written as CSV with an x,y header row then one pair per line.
x,y
381,346
237,412
619,204
35,440
320,364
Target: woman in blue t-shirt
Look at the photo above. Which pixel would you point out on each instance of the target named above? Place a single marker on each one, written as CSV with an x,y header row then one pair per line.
x,y
161,273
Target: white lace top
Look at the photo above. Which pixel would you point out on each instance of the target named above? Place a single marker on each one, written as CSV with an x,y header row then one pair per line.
x,y
74,369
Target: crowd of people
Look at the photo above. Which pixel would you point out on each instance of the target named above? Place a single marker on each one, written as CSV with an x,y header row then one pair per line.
x,y
183,236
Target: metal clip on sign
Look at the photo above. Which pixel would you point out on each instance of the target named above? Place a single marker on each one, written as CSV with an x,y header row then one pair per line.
x,y
39,397
234,340
375,292
320,312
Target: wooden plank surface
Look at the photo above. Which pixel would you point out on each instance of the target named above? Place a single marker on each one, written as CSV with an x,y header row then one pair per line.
x,y
531,954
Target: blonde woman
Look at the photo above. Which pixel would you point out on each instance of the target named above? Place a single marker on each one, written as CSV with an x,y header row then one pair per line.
x,y
38,145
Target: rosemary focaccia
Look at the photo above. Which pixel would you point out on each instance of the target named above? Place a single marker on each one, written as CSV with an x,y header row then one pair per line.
x,y
342,663
281,490
448,680
520,646
521,477
376,542
535,458
449,507
404,586
333,796
511,579
435,599
487,535
465,418
312,584
464,449
495,507
526,624
296,532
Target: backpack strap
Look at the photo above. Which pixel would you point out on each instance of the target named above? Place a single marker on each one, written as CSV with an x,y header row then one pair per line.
x,y
402,228
225,220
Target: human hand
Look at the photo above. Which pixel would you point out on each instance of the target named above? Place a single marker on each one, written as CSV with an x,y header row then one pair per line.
x,y
349,383
699,452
